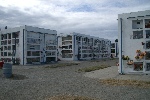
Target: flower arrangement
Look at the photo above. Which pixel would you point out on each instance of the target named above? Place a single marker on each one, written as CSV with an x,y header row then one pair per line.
x,y
142,43
17,60
9,59
138,67
140,55
125,57
130,62
147,25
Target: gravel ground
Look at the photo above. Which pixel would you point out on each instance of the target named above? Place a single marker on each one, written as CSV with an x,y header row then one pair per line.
x,y
112,72
39,83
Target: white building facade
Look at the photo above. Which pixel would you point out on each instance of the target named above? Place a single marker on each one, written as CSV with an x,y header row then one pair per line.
x,y
115,49
75,46
28,45
134,42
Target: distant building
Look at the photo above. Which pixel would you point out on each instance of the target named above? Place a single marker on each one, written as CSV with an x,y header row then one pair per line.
x,y
134,42
28,45
114,49
77,46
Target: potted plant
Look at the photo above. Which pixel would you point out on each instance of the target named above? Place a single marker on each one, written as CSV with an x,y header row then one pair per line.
x,y
125,57
142,43
130,62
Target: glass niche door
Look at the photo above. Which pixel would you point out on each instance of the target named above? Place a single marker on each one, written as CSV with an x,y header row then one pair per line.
x,y
147,57
147,67
147,63
138,66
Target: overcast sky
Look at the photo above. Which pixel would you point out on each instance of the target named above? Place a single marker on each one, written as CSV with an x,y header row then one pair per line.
x,y
92,17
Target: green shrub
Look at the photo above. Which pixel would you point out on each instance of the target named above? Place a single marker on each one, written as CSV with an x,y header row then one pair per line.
x,y
61,65
93,68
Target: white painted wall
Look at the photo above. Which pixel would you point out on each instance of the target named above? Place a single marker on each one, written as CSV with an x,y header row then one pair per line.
x,y
75,47
130,45
116,50
23,46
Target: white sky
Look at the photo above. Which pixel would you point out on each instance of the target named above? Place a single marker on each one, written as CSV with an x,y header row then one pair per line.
x,y
91,17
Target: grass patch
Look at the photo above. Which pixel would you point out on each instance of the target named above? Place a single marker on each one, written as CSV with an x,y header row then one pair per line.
x,y
95,61
116,82
61,65
112,59
18,77
104,59
69,97
93,68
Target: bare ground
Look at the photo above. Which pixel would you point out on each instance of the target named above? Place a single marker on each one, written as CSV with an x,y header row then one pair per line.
x,y
41,83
